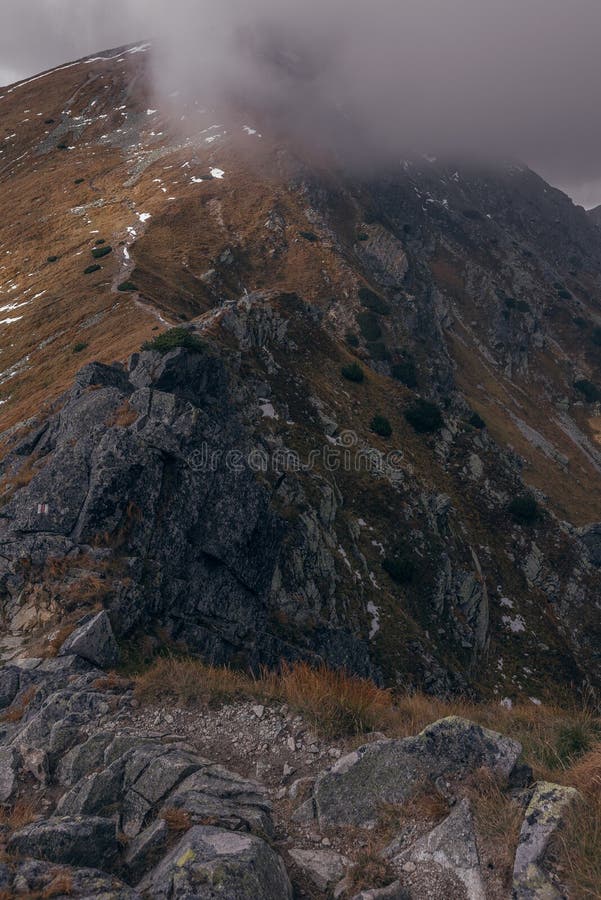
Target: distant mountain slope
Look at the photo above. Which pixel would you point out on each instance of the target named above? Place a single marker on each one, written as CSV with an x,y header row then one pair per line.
x,y
475,291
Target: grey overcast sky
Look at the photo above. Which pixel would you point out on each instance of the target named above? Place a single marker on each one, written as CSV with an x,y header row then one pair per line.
x,y
519,78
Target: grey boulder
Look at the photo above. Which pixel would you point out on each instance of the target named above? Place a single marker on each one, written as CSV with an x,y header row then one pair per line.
x,y
351,791
73,840
322,867
209,863
452,846
93,641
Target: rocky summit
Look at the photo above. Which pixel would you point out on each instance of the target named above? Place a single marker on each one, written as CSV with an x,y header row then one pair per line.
x,y
270,418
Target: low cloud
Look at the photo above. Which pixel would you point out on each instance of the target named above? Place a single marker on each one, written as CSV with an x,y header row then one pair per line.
x,y
477,78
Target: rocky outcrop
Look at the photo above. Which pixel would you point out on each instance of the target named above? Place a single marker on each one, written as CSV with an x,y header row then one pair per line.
x,y
352,791
123,811
160,520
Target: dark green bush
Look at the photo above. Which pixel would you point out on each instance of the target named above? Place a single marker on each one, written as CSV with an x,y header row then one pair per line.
x,y
373,301
564,294
589,391
79,180
48,121
99,252
524,509
519,305
174,338
378,350
127,286
370,328
476,421
596,336
52,259
79,346
362,236
405,371
353,372
62,147
473,214
100,241
309,236
380,425
92,269
400,567
424,417
352,339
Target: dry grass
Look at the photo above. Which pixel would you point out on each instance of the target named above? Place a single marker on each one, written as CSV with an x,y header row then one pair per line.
x,y
16,712
498,820
123,416
61,885
579,843
334,703
111,682
190,683
369,871
18,815
177,820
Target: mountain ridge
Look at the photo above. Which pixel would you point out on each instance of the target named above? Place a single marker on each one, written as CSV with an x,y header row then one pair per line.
x,y
474,291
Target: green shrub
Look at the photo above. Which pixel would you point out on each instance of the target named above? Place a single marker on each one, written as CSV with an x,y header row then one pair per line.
x,y
564,294
174,338
424,417
378,350
362,236
99,252
524,509
353,372
589,391
476,421
79,346
352,339
380,425
370,328
405,371
400,567
62,147
79,180
52,259
100,241
519,305
91,269
373,301
126,286
309,236
596,336
48,121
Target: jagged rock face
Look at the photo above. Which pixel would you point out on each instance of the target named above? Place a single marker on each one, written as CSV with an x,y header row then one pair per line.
x,y
214,499
192,542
